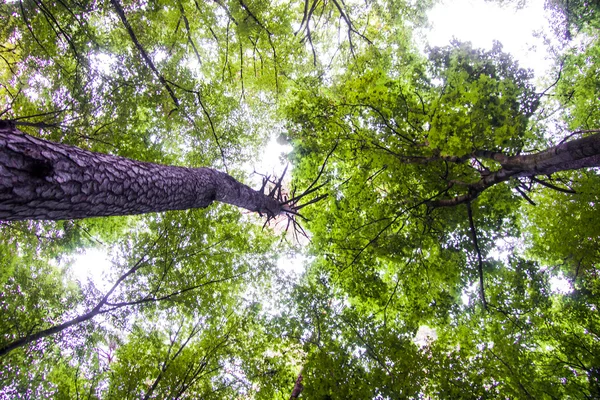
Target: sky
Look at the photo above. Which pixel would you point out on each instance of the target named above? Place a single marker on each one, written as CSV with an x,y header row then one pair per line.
x,y
476,21
482,22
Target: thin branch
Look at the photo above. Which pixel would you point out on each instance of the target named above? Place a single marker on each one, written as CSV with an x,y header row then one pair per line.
x,y
579,133
385,121
406,210
551,186
30,29
479,258
82,318
212,128
555,82
49,16
304,194
226,62
173,294
316,199
323,166
522,193
224,7
243,96
208,117
140,48
515,375
186,23
269,36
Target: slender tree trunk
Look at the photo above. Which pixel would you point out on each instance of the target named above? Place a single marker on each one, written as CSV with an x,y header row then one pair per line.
x,y
45,180
48,332
298,387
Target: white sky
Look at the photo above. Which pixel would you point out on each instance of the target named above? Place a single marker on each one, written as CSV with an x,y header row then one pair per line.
x,y
481,23
91,265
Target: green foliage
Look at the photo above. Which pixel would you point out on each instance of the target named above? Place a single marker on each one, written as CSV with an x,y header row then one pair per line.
x,y
389,142
35,296
579,90
565,227
483,101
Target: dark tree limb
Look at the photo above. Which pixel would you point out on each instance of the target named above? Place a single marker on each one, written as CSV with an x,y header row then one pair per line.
x,y
524,195
307,29
321,169
224,7
104,307
479,257
60,32
551,186
350,26
298,387
138,45
304,17
32,337
186,23
226,61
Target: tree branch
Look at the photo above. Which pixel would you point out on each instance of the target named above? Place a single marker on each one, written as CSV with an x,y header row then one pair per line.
x,y
145,56
479,258
551,186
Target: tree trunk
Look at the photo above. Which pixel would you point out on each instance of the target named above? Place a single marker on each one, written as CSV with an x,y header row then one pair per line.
x,y
298,387
45,180
49,332
575,154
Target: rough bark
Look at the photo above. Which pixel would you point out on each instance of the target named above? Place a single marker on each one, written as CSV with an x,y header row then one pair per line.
x,y
40,179
575,154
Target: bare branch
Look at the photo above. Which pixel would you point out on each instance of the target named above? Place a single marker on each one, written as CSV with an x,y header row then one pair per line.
x,y
551,186
479,258
522,193
140,48
316,199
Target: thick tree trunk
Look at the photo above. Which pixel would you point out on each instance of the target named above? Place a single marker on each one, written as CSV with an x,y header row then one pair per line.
x,y
45,180
575,154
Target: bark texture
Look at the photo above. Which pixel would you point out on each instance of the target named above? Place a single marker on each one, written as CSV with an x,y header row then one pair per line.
x,y
40,179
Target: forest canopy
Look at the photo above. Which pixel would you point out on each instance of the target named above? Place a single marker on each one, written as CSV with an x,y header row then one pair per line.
x,y
444,193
